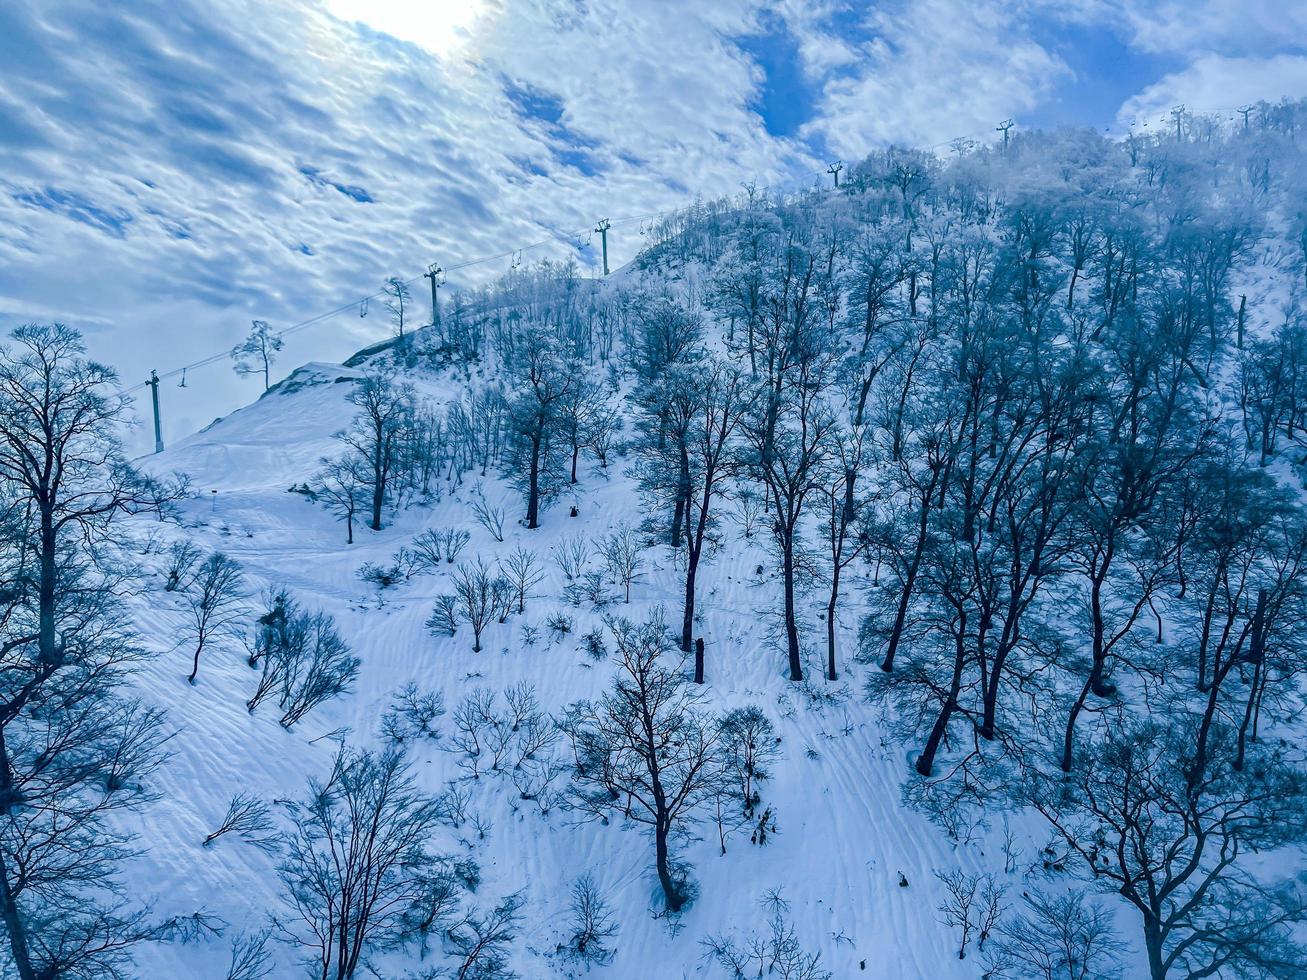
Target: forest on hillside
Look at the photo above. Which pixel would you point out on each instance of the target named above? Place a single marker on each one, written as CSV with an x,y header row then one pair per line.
x,y
1013,435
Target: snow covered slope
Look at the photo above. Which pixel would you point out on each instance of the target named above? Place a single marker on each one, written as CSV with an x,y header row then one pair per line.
x,y
842,840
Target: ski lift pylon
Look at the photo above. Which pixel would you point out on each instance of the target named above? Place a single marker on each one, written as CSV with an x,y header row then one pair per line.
x,y
182,382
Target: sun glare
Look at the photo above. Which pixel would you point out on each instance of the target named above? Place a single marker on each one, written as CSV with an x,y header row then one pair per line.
x,y
439,26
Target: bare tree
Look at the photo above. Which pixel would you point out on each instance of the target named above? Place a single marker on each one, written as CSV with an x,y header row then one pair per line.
x,y
523,573
1063,937
215,600
621,550
357,858
444,617
343,485
776,952
749,748
374,435
304,660
593,927
645,749
480,941
63,480
249,956
1168,838
257,352
182,556
474,587
248,817
398,296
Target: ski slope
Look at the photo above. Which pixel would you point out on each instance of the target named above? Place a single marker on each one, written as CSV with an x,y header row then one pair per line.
x,y
843,836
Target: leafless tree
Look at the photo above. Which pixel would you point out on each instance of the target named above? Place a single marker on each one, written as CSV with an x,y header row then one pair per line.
x,y
63,480
646,749
357,853
256,353
1062,937
474,587
1168,838
215,600
398,296
248,817
523,573
621,550
343,485
592,927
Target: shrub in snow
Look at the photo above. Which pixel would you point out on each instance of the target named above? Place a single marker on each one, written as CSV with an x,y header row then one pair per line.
x,y
444,617
774,953
304,661
413,714
182,558
592,927
382,576
594,645
972,906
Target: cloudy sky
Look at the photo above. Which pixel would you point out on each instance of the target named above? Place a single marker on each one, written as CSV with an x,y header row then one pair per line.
x,y
171,170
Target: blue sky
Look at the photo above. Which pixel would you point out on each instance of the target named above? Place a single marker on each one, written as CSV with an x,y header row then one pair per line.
x,y
171,170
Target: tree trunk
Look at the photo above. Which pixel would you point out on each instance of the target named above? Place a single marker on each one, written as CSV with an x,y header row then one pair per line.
x,y
533,488
1153,944
791,623
687,622
901,614
195,667
1253,693
13,921
831,673
926,761
1068,738
698,660
674,900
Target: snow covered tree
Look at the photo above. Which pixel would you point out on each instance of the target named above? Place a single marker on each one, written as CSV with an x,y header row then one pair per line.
x,y
257,352
536,451
687,452
375,433
789,445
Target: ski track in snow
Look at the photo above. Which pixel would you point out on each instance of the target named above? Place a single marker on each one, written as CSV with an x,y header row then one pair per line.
x,y
843,835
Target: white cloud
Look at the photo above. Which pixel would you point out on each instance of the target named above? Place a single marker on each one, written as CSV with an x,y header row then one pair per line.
x,y
1192,26
932,70
160,177
1213,83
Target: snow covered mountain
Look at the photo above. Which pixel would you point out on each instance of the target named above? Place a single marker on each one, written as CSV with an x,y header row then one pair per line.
x,y
982,481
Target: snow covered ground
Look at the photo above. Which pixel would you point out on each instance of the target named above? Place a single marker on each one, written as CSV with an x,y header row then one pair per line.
x,y
843,836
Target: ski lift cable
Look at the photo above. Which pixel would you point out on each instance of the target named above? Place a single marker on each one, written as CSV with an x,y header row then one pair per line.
x,y
363,302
